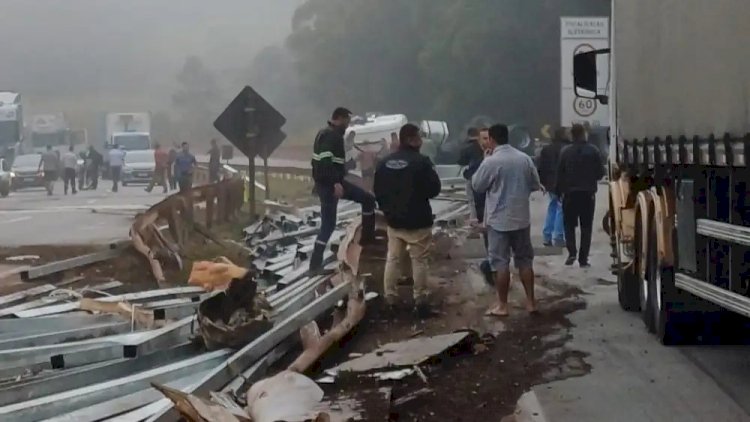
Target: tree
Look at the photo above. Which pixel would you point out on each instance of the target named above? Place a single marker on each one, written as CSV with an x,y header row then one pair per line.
x,y
198,101
440,59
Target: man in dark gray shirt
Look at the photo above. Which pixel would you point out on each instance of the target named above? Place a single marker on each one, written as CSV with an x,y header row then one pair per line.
x,y
578,172
508,177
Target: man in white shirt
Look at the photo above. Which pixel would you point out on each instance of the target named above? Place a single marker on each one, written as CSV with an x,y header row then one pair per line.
x,y
69,162
116,161
50,162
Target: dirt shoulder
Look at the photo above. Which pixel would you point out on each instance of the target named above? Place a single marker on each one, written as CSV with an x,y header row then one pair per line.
x,y
484,377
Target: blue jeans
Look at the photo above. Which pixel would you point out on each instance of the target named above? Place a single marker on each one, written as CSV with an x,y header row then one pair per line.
x,y
554,230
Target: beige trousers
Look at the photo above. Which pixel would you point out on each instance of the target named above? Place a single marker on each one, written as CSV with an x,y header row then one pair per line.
x,y
419,243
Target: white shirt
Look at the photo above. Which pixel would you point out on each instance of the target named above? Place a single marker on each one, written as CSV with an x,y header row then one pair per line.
x,y
69,160
116,157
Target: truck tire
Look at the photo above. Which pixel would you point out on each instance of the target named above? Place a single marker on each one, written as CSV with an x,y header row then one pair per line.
x,y
627,289
4,190
647,278
627,286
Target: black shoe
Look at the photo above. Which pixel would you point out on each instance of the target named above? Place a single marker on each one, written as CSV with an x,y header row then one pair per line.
x,y
425,311
570,261
585,264
489,275
547,243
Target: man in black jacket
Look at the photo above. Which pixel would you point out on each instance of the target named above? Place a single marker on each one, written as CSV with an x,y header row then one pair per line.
x,y
578,172
549,157
405,181
328,171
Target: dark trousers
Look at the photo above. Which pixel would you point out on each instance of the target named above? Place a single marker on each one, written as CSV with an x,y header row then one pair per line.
x,y
578,208
185,181
214,174
171,178
328,209
116,170
93,177
69,178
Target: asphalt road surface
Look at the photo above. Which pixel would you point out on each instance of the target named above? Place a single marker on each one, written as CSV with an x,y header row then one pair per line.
x,y
30,217
633,377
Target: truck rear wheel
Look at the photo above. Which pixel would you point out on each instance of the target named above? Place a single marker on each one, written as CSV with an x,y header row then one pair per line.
x,y
4,190
627,289
645,248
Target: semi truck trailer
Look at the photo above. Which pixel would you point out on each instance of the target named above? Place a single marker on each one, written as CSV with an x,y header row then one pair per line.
x,y
678,86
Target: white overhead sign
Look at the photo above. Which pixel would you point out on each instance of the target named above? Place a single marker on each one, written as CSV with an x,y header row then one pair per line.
x,y
578,35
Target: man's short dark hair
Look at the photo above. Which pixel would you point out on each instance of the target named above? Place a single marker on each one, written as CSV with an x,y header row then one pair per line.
x,y
340,112
184,144
472,132
499,133
578,132
407,133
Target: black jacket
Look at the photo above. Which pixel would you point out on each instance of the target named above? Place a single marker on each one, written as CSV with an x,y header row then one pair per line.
x,y
329,156
405,181
549,158
580,169
470,157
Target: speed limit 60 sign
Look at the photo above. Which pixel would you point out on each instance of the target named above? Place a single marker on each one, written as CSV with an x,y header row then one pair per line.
x,y
579,35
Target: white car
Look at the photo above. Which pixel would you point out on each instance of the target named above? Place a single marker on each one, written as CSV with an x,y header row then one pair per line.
x,y
6,178
139,167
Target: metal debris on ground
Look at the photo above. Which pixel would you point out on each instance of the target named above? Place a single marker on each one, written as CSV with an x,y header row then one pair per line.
x,y
86,354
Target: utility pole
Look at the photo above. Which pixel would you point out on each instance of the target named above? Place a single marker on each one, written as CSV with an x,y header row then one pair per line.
x,y
265,173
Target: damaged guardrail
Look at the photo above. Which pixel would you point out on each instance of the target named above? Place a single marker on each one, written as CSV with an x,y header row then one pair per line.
x,y
222,201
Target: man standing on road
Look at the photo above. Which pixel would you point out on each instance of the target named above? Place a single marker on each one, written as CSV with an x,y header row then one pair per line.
x,y
578,172
161,160
69,161
553,231
477,201
405,181
328,171
51,164
94,161
508,177
184,164
116,161
214,162
170,167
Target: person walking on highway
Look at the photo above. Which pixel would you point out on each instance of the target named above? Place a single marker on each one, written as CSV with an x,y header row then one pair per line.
x,y
82,170
553,232
69,162
170,167
184,164
95,161
116,161
578,173
478,200
161,162
328,173
405,181
50,163
508,177
214,162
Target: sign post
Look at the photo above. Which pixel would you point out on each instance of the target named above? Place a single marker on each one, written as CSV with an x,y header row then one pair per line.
x,y
253,126
579,35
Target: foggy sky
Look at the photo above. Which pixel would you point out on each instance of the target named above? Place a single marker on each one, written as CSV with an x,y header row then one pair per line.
x,y
127,51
